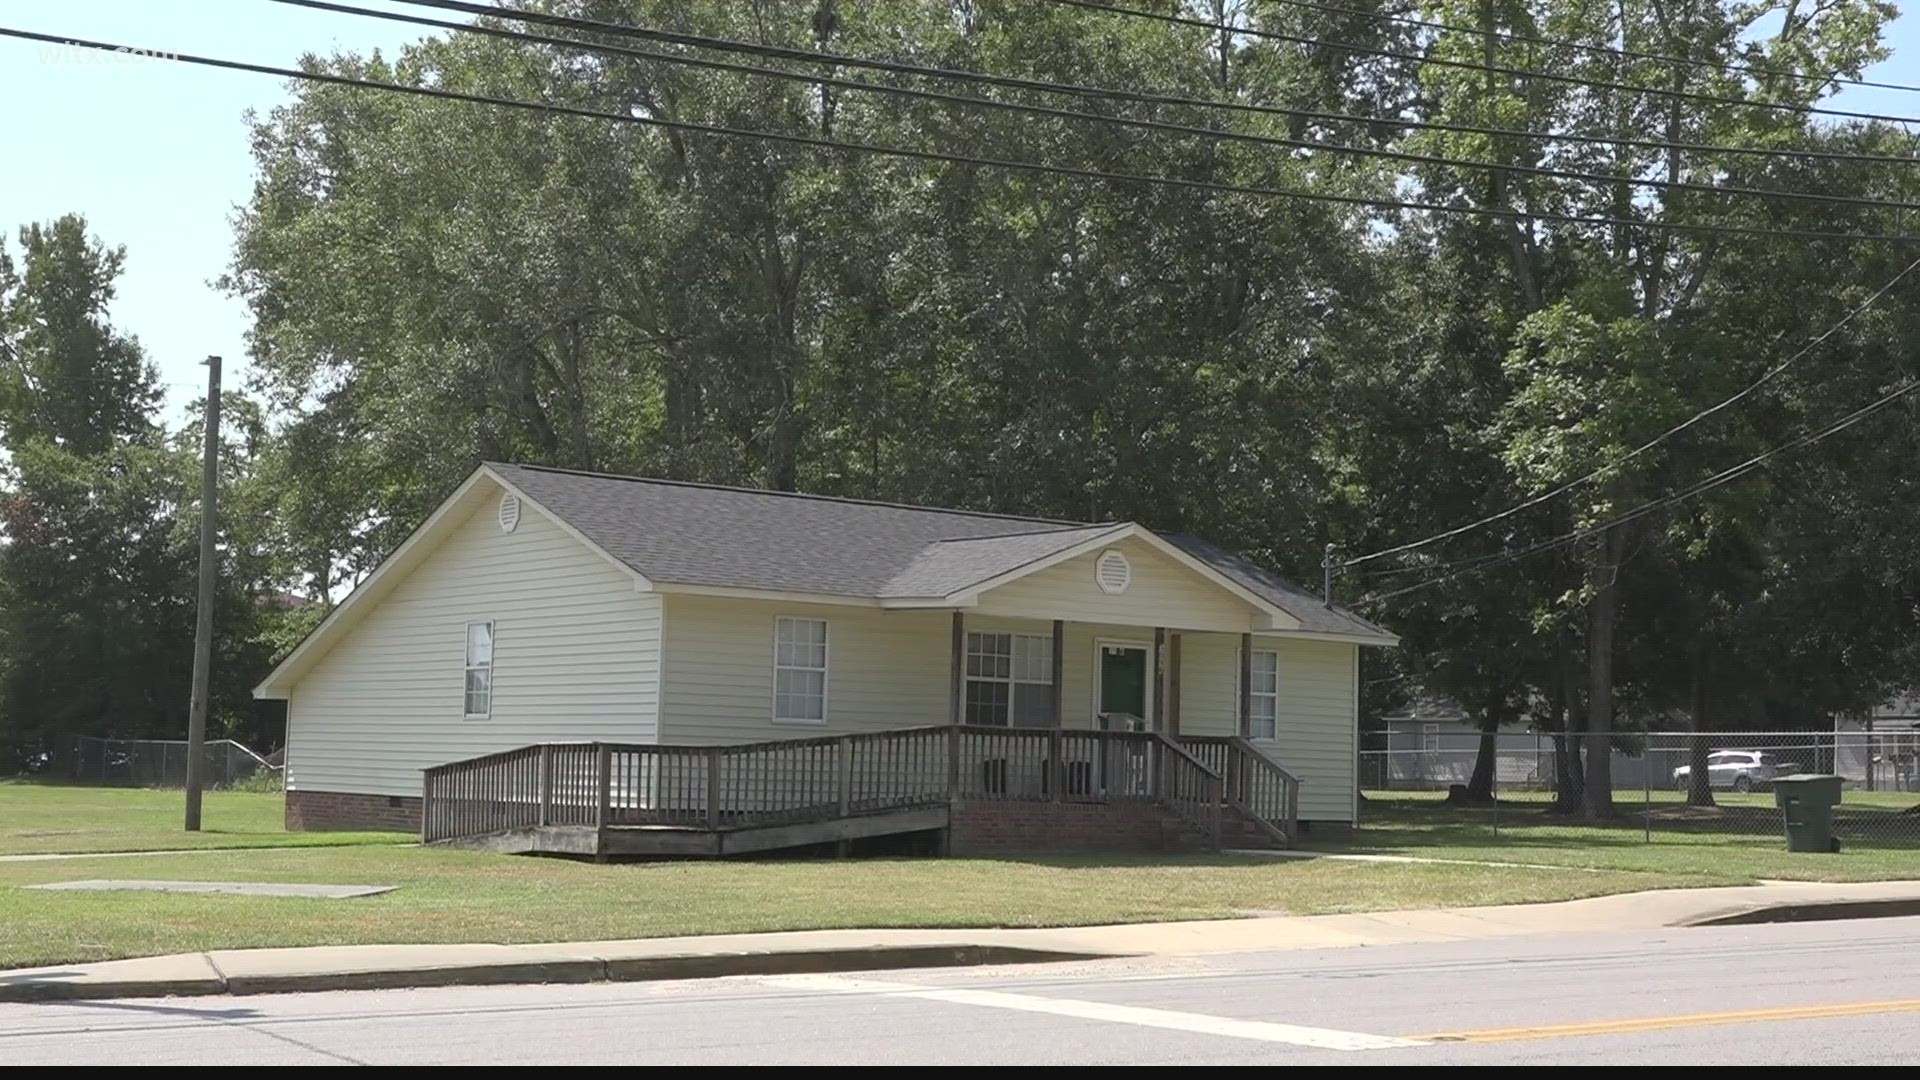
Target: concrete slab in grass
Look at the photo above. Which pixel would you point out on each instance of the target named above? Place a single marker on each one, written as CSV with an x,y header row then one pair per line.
x,y
236,888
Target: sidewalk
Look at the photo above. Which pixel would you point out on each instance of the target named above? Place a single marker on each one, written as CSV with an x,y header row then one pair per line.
x,y
254,971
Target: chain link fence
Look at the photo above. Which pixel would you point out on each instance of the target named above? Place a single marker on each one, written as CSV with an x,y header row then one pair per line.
x,y
159,763
1663,782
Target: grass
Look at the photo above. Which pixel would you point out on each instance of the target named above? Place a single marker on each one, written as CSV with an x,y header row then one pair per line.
x,y
1742,839
456,896
38,817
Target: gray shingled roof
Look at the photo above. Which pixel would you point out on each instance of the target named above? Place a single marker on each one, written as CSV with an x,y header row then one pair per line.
x,y
697,534
1311,610
948,566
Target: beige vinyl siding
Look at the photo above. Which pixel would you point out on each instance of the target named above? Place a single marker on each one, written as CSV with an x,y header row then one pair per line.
x,y
885,669
1163,592
891,669
1319,725
576,657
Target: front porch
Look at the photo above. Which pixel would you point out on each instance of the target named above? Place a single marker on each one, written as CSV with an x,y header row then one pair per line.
x,y
1104,676
1073,789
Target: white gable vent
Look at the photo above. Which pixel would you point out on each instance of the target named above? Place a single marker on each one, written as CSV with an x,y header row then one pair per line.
x,y
1113,572
509,512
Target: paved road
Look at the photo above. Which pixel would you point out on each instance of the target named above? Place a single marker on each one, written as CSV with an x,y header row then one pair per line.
x,y
1841,993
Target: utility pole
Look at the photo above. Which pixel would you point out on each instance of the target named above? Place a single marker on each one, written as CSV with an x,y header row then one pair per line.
x,y
203,611
1328,564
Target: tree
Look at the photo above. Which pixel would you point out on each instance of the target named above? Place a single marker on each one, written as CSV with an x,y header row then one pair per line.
x,y
97,573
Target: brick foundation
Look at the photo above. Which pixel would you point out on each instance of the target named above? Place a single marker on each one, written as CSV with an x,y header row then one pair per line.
x,y
1057,828
333,811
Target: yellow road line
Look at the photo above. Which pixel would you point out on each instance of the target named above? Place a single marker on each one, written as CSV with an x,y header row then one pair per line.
x,y
1658,1023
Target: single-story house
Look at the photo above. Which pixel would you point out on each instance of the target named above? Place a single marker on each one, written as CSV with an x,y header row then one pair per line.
x,y
1432,744
538,607
1882,749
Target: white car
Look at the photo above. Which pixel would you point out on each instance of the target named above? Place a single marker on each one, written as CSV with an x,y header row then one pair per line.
x,y
1736,770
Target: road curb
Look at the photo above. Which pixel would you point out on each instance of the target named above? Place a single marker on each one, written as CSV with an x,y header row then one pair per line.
x,y
668,966
1810,911
128,988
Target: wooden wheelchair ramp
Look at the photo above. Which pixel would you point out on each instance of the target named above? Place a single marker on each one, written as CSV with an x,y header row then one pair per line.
x,y
607,799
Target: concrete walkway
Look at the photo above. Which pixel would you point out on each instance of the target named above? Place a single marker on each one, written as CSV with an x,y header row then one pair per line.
x,y
64,856
252,971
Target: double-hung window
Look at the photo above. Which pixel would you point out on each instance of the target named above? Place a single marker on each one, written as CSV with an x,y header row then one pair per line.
x,y
479,670
1263,702
1010,680
799,671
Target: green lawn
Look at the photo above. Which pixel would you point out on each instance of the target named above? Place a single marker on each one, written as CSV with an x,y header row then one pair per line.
x,y
455,896
38,817
1742,839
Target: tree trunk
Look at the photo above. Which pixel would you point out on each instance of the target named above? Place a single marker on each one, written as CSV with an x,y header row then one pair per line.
x,y
1480,784
1699,781
1568,772
1603,580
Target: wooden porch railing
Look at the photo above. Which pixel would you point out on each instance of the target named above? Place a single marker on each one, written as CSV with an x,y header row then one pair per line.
x,y
1055,765
791,781
1256,785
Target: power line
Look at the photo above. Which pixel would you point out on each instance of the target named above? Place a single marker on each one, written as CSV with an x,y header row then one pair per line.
x,y
1725,476
1598,471
955,159
1467,65
1597,50
1141,97
1187,130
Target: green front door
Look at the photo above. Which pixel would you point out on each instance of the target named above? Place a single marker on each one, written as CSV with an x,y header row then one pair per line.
x,y
1123,681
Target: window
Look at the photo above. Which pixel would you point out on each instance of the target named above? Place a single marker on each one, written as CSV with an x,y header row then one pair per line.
x,y
1263,709
1430,738
479,670
799,671
1010,680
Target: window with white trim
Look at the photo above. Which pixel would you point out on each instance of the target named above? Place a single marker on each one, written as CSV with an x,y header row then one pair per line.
x,y
479,670
1263,701
799,671
1009,680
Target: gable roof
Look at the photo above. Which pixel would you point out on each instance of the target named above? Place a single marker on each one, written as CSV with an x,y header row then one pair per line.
x,y
945,567
698,534
678,533
668,533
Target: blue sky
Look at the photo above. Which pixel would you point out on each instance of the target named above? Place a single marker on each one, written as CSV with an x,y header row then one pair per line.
x,y
155,154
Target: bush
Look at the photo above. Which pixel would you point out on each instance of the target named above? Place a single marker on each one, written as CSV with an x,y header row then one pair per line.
x,y
263,782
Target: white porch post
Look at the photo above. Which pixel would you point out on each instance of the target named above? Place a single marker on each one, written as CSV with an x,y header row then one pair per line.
x,y
1173,684
957,675
1059,673
1246,686
1160,679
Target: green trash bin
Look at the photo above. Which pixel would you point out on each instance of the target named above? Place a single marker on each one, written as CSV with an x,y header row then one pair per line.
x,y
1806,801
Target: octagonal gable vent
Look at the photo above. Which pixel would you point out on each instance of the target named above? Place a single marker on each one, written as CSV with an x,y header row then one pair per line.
x,y
509,512
1113,572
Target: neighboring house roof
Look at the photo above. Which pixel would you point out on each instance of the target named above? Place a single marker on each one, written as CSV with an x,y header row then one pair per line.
x,y
1904,707
1425,708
